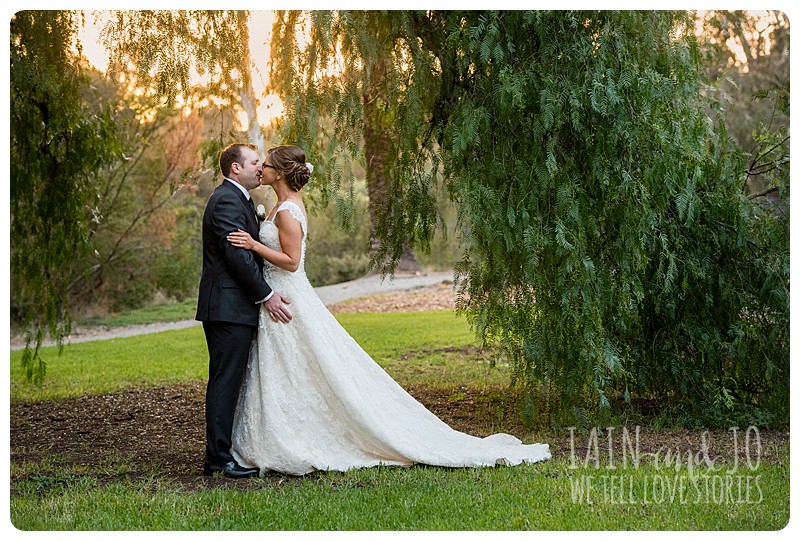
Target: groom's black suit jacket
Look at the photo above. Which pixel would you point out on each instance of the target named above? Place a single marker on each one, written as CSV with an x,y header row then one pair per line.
x,y
231,285
232,281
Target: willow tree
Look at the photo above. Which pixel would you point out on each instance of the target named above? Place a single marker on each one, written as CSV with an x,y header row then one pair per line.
x,y
60,140
165,47
612,246
355,92
610,249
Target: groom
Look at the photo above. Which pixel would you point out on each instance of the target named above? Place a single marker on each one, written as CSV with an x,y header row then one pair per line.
x,y
232,290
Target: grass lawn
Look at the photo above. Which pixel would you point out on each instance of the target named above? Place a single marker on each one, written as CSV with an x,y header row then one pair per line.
x,y
429,350
181,355
528,497
154,313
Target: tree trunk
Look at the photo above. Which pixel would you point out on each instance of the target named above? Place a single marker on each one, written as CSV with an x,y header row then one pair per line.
x,y
250,104
249,100
377,150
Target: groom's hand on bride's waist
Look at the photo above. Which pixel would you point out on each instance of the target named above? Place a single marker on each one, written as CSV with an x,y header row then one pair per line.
x,y
277,309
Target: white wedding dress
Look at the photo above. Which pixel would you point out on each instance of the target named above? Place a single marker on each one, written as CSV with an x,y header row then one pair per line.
x,y
313,399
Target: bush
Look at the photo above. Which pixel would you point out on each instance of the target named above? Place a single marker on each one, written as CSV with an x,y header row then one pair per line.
x,y
334,255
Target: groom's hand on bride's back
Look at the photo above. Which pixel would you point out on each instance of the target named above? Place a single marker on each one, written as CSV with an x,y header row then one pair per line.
x,y
277,309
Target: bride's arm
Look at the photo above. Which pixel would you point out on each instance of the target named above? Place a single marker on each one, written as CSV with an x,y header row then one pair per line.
x,y
290,235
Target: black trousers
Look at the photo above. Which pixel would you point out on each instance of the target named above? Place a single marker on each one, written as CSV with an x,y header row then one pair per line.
x,y
228,351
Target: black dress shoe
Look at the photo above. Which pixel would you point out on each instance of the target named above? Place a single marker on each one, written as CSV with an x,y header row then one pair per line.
x,y
229,469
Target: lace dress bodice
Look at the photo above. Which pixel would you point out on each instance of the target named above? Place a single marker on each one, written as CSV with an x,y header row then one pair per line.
x,y
269,236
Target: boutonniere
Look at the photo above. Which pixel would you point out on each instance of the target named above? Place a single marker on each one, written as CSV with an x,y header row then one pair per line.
x,y
261,212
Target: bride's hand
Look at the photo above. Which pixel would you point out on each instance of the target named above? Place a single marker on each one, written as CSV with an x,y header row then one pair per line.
x,y
241,239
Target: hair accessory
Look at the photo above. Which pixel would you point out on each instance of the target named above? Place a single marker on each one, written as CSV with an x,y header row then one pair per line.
x,y
310,167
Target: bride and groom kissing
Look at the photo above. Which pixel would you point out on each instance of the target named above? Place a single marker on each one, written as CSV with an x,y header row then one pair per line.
x,y
289,390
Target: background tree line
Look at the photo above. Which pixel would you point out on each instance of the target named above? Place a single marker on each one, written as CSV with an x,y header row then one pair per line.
x,y
620,182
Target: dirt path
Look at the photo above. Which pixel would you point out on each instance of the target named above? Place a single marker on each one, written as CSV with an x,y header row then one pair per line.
x,y
333,296
374,285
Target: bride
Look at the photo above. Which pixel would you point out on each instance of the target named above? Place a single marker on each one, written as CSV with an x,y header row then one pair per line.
x,y
312,398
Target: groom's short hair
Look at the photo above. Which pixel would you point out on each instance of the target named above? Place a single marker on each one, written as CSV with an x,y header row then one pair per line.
x,y
232,153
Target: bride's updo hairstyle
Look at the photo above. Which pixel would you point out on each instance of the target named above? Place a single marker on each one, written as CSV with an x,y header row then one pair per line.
x,y
291,161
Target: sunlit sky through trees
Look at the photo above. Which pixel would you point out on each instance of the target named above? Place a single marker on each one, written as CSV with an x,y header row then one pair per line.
x,y
260,28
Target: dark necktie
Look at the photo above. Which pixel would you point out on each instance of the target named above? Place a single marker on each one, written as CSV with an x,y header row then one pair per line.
x,y
253,208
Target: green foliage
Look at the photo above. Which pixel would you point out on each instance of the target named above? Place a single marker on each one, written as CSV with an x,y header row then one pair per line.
x,y
165,46
360,90
145,235
59,141
760,64
623,259
445,249
335,254
609,245
114,178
